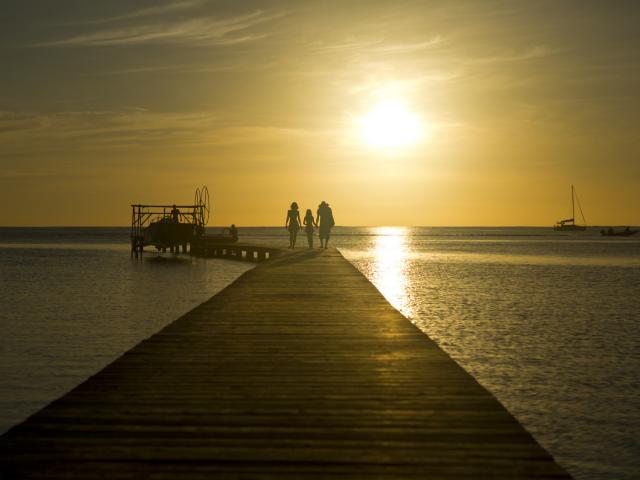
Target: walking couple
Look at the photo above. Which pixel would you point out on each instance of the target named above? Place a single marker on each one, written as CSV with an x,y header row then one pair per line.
x,y
324,222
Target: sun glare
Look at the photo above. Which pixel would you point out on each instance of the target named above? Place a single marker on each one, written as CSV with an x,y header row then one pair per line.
x,y
390,124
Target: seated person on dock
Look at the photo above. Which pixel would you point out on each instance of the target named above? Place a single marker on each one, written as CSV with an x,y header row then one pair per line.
x,y
175,214
232,231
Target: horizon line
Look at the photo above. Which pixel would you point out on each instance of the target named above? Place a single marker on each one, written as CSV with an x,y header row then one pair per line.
x,y
337,226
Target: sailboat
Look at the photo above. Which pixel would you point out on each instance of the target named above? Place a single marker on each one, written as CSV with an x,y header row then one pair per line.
x,y
570,225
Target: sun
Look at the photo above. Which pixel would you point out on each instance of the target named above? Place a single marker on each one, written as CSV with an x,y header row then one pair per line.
x,y
390,124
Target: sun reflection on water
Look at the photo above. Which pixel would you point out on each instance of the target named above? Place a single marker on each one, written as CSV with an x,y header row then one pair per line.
x,y
390,266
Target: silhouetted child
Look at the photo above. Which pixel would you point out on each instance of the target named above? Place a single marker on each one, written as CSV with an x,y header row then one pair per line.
x,y
309,223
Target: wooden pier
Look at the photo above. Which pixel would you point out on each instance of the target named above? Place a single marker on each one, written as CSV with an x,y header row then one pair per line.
x,y
299,369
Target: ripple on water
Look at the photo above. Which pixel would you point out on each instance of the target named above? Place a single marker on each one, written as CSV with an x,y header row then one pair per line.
x,y
551,329
68,312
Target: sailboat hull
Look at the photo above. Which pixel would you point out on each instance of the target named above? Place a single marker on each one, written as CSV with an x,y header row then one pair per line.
x,y
569,228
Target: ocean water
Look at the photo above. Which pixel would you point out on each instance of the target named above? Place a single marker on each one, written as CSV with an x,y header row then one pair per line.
x,y
73,301
547,322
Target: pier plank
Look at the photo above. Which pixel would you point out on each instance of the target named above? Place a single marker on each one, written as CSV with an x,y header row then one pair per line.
x,y
299,369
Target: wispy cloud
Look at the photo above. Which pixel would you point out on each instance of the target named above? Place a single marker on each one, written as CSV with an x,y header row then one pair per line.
x,y
342,46
199,31
152,11
535,52
187,68
375,46
99,129
409,47
132,128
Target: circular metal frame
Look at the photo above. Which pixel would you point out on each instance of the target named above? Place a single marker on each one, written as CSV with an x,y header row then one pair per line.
x,y
202,204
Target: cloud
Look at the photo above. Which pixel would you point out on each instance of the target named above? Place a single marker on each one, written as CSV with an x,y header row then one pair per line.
x,y
375,46
132,128
345,46
20,131
205,31
195,68
152,11
409,47
189,68
535,52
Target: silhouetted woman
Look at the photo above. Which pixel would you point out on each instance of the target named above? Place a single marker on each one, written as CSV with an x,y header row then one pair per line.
x,y
308,226
293,224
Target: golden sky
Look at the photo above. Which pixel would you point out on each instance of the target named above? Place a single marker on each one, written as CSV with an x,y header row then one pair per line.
x,y
104,104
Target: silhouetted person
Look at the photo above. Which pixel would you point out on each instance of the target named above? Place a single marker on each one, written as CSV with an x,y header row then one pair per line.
x,y
325,222
175,214
233,231
309,223
292,224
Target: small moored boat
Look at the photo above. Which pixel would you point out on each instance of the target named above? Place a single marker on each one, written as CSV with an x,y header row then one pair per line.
x,y
610,232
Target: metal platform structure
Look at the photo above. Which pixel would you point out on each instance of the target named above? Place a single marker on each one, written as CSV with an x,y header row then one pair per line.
x,y
167,227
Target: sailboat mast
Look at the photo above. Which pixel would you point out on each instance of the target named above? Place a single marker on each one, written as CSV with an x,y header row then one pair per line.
x,y
573,208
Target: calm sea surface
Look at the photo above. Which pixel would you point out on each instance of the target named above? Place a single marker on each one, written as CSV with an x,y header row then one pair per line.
x,y
547,322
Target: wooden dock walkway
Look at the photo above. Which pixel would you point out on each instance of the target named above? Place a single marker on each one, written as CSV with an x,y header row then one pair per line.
x,y
299,369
